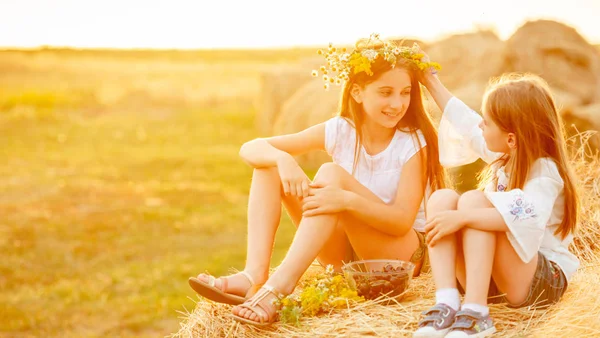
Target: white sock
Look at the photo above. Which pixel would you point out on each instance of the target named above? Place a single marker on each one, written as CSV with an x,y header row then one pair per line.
x,y
484,310
449,297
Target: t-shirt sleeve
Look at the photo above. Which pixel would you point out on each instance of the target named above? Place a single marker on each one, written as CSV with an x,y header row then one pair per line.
x,y
460,138
417,143
335,130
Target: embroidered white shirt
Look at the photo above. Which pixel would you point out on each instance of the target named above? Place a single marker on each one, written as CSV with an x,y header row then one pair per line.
x,y
381,172
533,213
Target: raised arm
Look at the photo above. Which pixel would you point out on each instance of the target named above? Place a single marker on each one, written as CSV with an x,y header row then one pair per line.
x,y
441,95
460,137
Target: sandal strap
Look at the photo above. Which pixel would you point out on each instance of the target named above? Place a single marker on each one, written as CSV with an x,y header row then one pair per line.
x,y
211,280
262,293
225,281
247,275
274,291
267,312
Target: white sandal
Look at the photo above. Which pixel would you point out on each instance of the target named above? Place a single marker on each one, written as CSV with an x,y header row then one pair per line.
x,y
255,302
210,291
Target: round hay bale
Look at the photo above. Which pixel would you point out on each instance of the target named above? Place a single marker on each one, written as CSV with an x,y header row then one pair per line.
x,y
557,53
277,85
466,58
310,105
565,100
471,94
583,119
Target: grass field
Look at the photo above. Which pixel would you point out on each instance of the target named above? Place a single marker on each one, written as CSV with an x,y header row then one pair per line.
x,y
119,179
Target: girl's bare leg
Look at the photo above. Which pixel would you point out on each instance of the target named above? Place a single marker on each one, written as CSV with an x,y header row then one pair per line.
x,y
315,237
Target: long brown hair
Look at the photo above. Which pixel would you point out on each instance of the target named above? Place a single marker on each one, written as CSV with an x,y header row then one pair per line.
x,y
522,104
416,117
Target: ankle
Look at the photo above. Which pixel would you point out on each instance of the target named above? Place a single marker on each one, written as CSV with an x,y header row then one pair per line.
x,y
259,275
448,296
483,309
282,284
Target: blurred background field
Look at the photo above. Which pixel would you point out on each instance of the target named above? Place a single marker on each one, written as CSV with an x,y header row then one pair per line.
x,y
119,179
119,173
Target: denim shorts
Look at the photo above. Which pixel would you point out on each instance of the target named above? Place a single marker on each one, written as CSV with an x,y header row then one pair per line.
x,y
548,285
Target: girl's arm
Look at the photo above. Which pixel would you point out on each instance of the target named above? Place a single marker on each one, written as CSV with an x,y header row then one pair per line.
x,y
269,152
527,212
460,137
441,95
398,218
485,219
524,213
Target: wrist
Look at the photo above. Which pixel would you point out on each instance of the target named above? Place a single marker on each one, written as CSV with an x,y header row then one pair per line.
x,y
430,80
465,217
283,157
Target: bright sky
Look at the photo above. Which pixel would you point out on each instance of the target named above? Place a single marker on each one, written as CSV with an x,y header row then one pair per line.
x,y
262,23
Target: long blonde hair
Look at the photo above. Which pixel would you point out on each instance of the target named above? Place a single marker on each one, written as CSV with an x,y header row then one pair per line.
x,y
416,117
522,104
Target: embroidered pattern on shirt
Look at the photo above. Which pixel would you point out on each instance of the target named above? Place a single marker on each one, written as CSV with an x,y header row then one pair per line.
x,y
521,208
502,180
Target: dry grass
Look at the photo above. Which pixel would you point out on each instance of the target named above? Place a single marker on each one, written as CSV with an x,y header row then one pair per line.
x,y
577,315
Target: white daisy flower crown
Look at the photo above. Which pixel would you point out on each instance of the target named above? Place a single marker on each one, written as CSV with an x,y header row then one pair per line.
x,y
341,64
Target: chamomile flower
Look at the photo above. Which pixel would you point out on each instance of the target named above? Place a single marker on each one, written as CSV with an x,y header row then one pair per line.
x,y
344,63
370,54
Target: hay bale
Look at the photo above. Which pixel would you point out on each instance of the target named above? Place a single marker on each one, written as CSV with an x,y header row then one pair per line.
x,y
581,119
565,100
557,53
575,316
310,105
566,319
277,85
467,58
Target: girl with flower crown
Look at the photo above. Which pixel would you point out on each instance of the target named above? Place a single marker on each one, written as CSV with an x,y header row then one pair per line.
x,y
511,240
368,203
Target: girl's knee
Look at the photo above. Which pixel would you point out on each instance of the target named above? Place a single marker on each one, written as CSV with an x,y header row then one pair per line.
x,y
329,173
443,197
444,194
473,199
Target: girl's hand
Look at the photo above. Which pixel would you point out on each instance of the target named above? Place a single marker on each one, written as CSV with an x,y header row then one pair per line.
x,y
324,200
443,224
293,179
427,75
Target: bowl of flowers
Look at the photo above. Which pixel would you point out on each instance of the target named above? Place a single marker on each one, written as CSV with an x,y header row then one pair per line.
x,y
377,278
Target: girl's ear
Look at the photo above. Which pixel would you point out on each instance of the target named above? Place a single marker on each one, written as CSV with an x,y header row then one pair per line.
x,y
512,141
357,93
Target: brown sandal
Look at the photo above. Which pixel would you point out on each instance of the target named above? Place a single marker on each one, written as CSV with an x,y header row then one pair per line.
x,y
210,291
252,304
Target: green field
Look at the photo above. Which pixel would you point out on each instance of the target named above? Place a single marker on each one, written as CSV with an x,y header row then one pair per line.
x,y
117,183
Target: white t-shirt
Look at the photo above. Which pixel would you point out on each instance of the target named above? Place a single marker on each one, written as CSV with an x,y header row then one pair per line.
x,y
532,214
381,172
